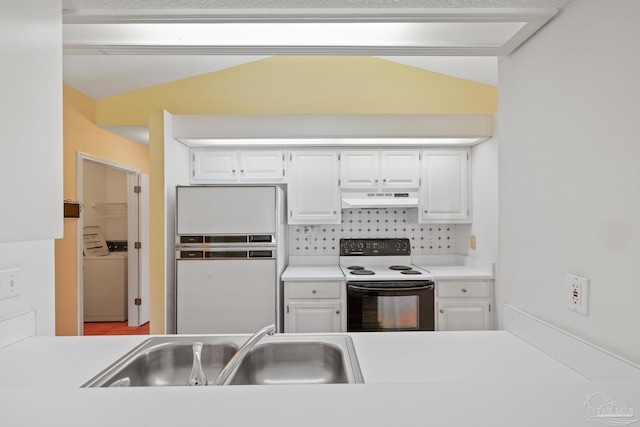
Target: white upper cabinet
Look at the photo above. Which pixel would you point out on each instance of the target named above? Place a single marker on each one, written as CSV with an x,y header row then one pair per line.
x,y
400,169
359,169
214,166
445,189
379,169
262,166
237,166
313,192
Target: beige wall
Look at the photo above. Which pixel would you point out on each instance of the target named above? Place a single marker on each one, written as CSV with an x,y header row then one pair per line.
x,y
305,85
82,135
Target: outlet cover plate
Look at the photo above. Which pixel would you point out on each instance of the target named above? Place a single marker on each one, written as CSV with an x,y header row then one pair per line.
x,y
9,283
578,294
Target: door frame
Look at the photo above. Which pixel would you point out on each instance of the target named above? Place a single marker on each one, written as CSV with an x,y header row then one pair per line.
x,y
137,222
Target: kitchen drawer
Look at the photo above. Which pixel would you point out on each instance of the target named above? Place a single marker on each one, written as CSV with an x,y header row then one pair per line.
x,y
474,289
314,289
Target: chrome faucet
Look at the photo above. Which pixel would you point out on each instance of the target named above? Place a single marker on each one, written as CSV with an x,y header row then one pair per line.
x,y
197,376
242,352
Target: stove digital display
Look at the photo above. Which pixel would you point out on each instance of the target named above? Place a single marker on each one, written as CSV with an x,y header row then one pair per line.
x,y
376,245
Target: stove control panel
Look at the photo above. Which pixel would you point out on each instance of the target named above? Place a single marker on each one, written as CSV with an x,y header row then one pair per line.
x,y
374,247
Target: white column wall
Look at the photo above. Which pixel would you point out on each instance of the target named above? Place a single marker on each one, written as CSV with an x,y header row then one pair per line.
x,y
31,154
569,129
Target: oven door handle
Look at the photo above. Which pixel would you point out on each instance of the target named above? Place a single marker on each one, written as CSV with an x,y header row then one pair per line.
x,y
366,288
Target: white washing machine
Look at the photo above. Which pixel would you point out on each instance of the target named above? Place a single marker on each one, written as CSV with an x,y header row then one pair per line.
x,y
105,280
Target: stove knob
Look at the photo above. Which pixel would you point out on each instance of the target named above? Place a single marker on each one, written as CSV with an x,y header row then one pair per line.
x,y
360,246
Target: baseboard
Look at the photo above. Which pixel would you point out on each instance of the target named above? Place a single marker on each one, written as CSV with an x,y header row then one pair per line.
x,y
583,357
17,328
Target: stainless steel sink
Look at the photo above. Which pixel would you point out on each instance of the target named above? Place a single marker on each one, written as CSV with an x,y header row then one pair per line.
x,y
299,360
165,361
278,359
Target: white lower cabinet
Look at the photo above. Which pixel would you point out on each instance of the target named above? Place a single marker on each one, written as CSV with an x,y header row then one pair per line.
x,y
314,307
463,305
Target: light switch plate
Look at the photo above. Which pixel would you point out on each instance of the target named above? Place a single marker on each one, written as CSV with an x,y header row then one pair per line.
x,y
9,283
578,294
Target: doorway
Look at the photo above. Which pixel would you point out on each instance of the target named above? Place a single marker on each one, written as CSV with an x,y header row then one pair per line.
x,y
113,273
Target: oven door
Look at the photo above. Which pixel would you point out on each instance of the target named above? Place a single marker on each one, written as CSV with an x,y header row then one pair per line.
x,y
390,307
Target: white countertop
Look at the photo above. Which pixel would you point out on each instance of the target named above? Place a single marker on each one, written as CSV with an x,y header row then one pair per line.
x,y
312,272
489,378
304,272
455,272
400,357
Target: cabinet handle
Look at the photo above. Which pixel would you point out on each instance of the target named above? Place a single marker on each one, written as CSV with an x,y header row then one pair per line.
x,y
334,212
441,310
464,290
384,180
376,180
233,170
241,170
337,311
314,291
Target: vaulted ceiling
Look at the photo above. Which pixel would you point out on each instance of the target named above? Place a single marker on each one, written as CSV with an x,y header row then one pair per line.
x,y
104,75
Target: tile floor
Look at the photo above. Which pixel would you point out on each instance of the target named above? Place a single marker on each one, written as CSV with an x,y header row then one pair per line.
x,y
114,328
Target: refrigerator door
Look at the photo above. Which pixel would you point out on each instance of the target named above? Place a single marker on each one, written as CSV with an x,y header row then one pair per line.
x,y
225,296
226,210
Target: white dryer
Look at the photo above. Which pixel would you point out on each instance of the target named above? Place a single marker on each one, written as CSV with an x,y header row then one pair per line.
x,y
105,279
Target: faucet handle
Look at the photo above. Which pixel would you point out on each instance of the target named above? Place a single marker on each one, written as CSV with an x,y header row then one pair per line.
x,y
197,376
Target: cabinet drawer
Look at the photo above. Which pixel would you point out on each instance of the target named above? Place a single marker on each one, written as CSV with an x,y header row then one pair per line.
x,y
464,289
314,289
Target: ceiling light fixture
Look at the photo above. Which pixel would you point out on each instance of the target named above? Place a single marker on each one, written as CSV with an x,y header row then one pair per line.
x,y
380,32
329,142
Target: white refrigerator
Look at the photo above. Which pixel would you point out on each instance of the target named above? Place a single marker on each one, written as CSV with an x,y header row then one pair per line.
x,y
229,257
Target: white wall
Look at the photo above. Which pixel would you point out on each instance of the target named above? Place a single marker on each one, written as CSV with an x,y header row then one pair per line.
x,y
31,111
569,129
177,172
484,204
31,153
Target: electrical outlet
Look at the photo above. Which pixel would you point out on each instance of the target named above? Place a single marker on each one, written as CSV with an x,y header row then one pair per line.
x,y
472,242
578,289
432,241
310,233
9,283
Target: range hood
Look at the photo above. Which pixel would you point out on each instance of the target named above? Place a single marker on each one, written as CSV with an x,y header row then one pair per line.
x,y
379,200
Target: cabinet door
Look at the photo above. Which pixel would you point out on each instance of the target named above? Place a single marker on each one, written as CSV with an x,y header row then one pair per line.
x,y
359,169
214,166
445,186
313,193
463,315
309,316
399,169
262,166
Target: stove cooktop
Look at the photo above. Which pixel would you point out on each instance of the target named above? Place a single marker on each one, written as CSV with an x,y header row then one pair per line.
x,y
379,259
385,272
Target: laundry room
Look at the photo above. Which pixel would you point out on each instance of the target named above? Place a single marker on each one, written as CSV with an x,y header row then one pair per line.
x,y
104,247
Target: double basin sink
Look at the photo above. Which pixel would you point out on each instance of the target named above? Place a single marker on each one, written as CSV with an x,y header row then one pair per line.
x,y
277,359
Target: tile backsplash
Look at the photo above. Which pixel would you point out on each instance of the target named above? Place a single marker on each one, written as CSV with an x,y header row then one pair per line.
x,y
426,239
